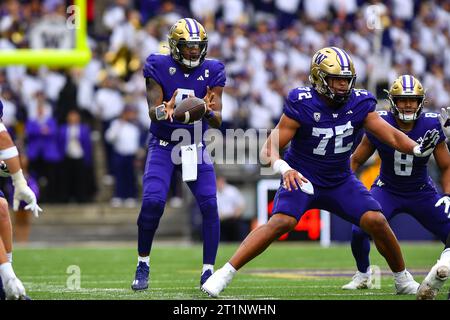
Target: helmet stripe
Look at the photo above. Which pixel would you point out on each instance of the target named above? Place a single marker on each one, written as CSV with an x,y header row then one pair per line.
x,y
189,26
192,26
404,82
344,64
197,29
411,83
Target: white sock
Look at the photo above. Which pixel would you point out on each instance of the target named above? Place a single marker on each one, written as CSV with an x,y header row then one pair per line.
x,y
208,267
445,255
229,267
9,256
6,271
144,259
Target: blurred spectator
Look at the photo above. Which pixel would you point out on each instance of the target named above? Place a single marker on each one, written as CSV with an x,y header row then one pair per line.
x,y
124,135
108,105
231,205
42,151
77,175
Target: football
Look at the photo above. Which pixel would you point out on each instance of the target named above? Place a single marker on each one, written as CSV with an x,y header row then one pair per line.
x,y
189,110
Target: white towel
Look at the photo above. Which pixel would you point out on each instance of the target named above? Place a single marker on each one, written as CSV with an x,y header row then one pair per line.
x,y
189,162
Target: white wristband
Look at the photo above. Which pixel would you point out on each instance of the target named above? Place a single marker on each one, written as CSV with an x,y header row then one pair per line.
x,y
281,166
9,153
2,127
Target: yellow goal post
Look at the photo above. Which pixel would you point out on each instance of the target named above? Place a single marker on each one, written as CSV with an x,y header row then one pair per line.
x,y
79,56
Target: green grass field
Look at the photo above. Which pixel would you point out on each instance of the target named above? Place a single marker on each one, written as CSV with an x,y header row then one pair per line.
x,y
285,271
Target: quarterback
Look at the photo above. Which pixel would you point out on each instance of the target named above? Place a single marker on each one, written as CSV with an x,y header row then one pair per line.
x,y
170,79
321,122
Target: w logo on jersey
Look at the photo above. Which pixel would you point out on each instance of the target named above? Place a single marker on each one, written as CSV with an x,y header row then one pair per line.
x,y
319,58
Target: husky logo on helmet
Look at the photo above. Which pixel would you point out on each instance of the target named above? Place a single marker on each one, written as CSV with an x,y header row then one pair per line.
x,y
336,63
406,86
188,33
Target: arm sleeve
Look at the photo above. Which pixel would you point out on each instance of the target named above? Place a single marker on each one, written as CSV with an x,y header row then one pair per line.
x,y
219,77
291,106
150,68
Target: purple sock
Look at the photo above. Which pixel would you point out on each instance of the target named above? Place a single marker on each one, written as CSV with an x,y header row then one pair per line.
x,y
210,230
360,249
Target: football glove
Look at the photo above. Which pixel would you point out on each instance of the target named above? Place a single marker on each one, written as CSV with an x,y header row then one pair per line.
x,y
444,117
22,192
445,200
14,289
426,146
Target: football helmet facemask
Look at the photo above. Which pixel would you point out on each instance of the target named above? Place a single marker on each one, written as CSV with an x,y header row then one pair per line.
x,y
406,86
332,62
188,42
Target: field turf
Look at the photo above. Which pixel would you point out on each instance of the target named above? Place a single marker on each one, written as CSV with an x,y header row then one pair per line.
x,y
285,271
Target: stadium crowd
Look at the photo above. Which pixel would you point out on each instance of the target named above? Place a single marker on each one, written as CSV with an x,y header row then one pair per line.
x,y
266,46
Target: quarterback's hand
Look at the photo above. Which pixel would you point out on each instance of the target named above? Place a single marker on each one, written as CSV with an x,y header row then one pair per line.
x,y
170,106
22,192
444,117
426,146
445,200
209,100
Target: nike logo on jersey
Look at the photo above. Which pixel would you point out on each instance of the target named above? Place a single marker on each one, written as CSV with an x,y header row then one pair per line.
x,y
200,78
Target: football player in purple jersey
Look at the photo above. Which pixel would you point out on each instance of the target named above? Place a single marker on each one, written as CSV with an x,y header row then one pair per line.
x,y
11,288
403,185
321,122
171,78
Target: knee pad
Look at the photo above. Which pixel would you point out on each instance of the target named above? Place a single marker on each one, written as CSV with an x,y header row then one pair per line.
x,y
209,209
151,212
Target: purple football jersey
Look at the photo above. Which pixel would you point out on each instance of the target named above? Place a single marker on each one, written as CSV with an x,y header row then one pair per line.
x,y
171,76
321,147
402,172
1,109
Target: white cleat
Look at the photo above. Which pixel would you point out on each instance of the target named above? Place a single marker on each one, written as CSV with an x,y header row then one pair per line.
x,y
359,281
406,284
434,281
217,282
14,289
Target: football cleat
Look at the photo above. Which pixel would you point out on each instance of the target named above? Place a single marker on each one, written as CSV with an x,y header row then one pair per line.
x,y
141,278
14,290
217,282
359,281
205,276
406,284
433,282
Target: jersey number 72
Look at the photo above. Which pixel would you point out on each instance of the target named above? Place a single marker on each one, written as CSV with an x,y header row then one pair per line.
x,y
340,132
